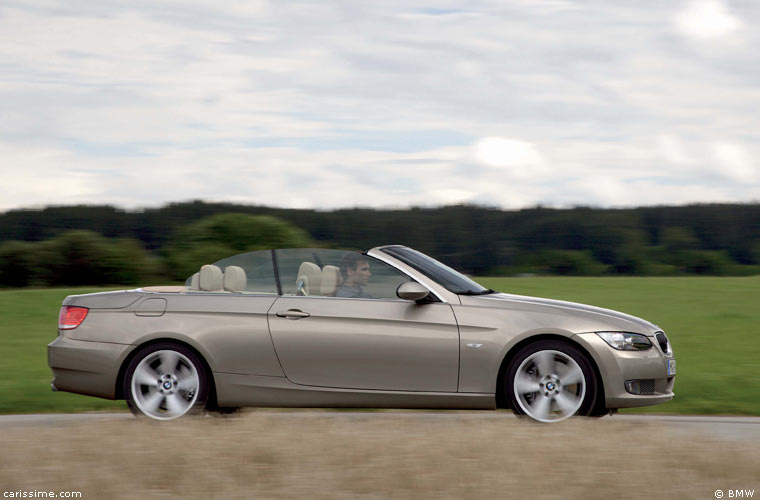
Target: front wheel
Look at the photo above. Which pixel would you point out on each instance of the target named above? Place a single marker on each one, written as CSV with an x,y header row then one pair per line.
x,y
165,381
550,381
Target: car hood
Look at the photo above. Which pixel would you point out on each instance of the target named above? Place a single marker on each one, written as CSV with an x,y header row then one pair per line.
x,y
613,320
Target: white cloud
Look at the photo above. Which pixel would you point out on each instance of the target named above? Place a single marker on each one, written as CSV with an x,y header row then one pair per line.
x,y
54,178
673,150
451,196
519,157
733,162
328,105
707,19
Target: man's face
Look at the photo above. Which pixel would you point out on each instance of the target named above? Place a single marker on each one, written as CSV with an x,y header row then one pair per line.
x,y
360,275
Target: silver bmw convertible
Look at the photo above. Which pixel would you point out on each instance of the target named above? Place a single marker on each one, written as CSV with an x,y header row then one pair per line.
x,y
387,328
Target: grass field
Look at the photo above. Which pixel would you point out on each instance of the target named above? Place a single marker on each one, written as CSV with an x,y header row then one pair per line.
x,y
713,323
28,323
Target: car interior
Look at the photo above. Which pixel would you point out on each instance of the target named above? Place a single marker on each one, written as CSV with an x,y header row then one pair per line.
x,y
315,281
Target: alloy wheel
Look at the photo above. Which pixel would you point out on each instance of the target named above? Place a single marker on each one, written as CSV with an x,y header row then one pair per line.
x,y
549,386
165,384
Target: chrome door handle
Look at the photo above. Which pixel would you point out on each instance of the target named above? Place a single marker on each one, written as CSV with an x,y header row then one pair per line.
x,y
292,314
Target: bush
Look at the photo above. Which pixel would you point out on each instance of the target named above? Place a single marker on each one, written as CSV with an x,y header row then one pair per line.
x,y
17,263
126,262
562,262
704,262
74,258
692,261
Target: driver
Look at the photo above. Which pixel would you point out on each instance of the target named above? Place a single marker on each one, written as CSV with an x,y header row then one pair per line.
x,y
354,268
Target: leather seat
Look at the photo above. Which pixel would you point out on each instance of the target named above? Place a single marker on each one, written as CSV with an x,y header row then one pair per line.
x,y
309,279
235,279
331,280
210,279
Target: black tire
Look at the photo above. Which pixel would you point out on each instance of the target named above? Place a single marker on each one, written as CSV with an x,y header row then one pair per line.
x,y
552,401
179,390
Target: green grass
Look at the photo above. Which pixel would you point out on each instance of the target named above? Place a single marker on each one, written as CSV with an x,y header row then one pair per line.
x,y
713,323
28,322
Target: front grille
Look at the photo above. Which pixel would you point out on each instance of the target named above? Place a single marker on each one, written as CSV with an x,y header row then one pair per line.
x,y
641,387
662,340
646,386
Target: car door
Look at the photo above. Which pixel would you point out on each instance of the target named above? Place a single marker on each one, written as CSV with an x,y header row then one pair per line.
x,y
227,314
377,341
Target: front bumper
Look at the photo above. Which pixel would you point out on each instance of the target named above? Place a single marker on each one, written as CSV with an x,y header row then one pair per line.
x,y
648,368
85,367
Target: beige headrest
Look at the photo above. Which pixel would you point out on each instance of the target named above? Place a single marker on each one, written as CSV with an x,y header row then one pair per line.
x,y
311,276
235,279
210,278
331,278
195,281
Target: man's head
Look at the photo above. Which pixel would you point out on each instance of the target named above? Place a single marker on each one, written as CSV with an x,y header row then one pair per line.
x,y
354,267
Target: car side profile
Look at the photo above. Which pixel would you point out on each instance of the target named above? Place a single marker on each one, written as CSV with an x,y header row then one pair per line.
x,y
387,328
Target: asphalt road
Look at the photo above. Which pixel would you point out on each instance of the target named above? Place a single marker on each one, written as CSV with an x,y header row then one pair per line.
x,y
717,427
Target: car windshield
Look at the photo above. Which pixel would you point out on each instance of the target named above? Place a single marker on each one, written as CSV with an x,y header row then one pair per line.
x,y
452,280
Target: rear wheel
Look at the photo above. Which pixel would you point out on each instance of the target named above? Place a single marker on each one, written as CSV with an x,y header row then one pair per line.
x,y
550,381
165,381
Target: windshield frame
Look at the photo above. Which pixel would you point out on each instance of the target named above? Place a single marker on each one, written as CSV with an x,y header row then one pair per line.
x,y
450,279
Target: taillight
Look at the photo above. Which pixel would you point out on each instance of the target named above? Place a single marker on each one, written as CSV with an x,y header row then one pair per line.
x,y
71,317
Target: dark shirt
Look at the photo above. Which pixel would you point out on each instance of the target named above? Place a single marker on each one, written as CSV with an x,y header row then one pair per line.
x,y
353,292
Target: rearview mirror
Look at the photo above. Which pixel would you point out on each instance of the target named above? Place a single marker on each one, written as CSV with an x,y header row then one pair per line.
x,y
412,291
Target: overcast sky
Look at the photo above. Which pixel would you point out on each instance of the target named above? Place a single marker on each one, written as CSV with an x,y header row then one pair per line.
x,y
331,104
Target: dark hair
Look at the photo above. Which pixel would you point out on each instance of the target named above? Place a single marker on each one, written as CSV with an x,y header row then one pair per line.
x,y
349,261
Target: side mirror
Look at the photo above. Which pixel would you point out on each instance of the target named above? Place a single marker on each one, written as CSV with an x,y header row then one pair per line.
x,y
410,290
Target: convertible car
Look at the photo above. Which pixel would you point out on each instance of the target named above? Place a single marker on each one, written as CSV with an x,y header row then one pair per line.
x,y
387,328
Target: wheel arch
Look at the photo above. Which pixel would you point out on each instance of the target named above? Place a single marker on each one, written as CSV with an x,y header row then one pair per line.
x,y
119,389
501,399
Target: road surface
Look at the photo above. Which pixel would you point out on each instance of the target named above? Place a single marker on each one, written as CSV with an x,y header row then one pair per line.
x,y
718,427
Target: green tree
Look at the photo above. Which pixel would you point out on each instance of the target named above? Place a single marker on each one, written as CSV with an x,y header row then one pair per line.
x,y
675,239
17,266
704,262
222,235
562,262
73,258
88,258
126,262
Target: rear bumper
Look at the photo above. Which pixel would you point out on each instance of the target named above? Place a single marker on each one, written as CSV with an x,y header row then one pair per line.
x,y
617,367
84,367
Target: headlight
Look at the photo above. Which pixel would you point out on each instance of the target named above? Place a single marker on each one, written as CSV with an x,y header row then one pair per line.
x,y
623,341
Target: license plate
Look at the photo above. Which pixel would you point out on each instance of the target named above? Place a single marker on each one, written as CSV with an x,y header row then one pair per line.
x,y
671,367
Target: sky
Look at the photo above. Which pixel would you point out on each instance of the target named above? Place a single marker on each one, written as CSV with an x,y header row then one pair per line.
x,y
332,104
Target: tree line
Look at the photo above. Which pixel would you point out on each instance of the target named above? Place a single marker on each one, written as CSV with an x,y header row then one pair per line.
x,y
73,245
